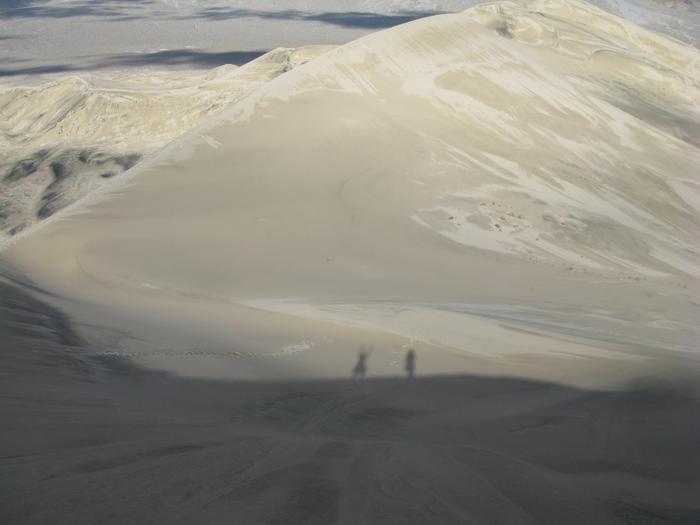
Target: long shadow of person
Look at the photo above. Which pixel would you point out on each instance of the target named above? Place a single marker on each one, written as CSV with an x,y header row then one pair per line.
x,y
360,369
410,363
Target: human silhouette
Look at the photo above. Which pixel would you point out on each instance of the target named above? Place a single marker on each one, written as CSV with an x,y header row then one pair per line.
x,y
411,363
360,369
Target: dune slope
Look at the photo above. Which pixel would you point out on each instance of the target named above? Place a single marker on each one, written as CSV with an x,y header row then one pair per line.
x,y
60,140
502,202
532,155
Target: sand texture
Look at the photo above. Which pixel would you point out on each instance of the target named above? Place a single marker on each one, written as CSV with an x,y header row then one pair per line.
x,y
61,139
509,195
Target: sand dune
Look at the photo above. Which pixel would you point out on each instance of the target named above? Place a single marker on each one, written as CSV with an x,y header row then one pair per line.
x,y
60,140
509,195
516,143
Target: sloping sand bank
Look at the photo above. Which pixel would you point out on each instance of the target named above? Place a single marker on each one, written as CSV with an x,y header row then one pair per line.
x,y
509,195
87,441
540,156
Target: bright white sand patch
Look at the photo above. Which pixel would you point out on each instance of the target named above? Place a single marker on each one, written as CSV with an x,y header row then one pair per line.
x,y
495,331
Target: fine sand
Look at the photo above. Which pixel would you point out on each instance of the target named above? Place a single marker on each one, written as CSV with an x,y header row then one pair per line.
x,y
62,138
508,194
94,440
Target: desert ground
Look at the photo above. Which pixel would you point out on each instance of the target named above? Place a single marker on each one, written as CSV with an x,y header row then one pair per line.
x,y
404,263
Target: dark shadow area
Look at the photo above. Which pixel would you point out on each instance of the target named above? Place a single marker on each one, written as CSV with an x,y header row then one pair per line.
x,y
138,446
184,58
356,19
359,371
57,172
410,364
39,70
22,315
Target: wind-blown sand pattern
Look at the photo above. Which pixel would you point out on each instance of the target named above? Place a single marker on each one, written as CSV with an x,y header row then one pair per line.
x,y
510,191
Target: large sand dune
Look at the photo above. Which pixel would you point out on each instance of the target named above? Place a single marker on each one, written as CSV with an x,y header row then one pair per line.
x,y
59,140
524,154
510,191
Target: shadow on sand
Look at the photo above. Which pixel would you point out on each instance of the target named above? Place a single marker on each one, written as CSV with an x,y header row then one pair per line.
x,y
182,58
138,446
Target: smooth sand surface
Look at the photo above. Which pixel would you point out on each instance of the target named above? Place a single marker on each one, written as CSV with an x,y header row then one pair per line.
x,y
93,440
511,193
502,156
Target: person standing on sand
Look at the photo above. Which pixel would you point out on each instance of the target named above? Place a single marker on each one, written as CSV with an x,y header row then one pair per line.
x,y
360,369
411,363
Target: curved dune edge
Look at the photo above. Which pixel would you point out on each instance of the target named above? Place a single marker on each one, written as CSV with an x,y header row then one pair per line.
x,y
501,155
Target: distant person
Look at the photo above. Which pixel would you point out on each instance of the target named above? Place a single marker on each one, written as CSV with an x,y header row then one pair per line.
x,y
360,370
411,363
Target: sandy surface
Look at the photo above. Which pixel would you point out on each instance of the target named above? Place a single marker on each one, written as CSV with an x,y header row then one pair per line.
x,y
509,192
505,158
62,138
92,440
